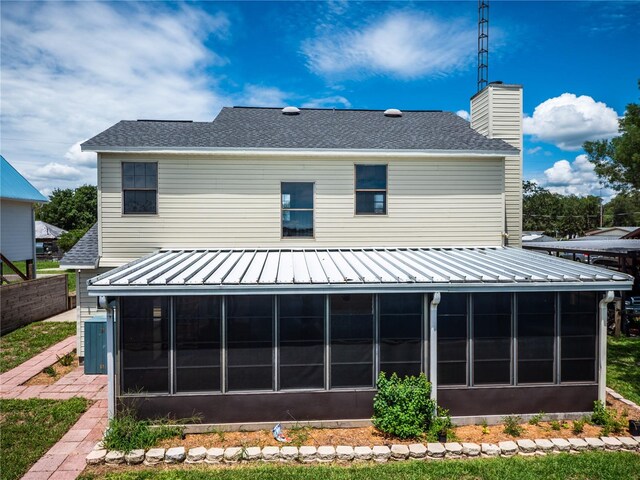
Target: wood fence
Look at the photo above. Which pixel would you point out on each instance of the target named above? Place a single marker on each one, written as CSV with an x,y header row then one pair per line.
x,y
25,302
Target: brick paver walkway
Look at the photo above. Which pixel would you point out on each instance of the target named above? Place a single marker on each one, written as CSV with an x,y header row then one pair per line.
x,y
66,459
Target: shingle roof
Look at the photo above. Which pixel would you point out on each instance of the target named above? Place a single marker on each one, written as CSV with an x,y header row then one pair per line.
x,y
269,128
46,231
15,187
83,254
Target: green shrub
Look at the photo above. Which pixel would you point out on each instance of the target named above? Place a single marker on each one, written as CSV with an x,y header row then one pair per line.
x,y
66,360
537,418
512,425
607,418
556,425
441,425
600,415
126,433
578,426
49,371
402,406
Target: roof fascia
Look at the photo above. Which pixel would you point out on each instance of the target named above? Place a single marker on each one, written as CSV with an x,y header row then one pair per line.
x,y
139,290
307,152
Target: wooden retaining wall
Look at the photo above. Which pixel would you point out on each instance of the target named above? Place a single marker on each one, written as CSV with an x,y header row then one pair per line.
x,y
32,300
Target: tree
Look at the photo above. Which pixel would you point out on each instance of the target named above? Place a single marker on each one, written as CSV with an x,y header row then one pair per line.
x,y
617,161
558,215
71,209
623,210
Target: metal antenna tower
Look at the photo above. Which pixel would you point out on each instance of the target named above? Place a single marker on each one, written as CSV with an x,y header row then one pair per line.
x,y
483,43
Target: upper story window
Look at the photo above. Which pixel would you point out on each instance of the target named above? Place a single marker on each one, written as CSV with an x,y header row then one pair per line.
x,y
371,189
297,209
139,187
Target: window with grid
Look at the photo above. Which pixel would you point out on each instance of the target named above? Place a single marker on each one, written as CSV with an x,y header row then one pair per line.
x,y
139,187
578,336
297,209
371,189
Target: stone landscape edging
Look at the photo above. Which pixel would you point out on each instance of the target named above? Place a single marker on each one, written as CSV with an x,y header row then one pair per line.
x,y
347,453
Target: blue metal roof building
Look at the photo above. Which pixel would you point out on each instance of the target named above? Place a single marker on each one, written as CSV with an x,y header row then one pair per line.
x,y
15,187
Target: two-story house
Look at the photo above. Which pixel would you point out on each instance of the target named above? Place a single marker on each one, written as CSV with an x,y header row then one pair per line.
x,y
267,265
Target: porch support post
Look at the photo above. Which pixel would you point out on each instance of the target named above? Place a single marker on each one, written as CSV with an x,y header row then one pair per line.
x,y
433,345
111,391
602,350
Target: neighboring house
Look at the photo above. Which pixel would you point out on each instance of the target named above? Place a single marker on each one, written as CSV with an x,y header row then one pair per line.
x,y
83,258
17,230
536,237
607,233
634,234
266,266
47,239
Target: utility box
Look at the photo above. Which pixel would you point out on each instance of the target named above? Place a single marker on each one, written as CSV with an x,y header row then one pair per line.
x,y
95,345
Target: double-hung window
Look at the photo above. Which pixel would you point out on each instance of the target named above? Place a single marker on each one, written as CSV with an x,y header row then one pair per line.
x,y
297,209
371,189
139,187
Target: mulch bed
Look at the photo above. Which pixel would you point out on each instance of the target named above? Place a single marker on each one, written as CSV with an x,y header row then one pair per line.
x,y
371,436
60,371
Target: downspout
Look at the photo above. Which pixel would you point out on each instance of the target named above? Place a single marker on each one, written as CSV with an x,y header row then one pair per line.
x,y
433,346
602,350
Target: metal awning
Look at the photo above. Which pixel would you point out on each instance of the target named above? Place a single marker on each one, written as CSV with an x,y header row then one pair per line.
x,y
243,271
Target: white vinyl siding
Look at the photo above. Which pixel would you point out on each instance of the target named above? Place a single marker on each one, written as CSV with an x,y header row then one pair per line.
x,y
497,112
86,306
17,235
213,201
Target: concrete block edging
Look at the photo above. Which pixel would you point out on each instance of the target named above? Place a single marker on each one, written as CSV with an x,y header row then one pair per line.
x,y
347,453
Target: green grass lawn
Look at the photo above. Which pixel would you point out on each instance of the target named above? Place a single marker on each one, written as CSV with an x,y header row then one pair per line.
x,y
591,466
623,367
28,341
52,267
30,428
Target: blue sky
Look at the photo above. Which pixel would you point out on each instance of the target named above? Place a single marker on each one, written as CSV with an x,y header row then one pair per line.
x,y
70,70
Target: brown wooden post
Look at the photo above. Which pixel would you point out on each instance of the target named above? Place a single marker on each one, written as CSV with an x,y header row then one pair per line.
x,y
617,305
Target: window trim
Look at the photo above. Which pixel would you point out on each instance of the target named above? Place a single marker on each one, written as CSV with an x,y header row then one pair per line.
x,y
313,211
122,189
356,190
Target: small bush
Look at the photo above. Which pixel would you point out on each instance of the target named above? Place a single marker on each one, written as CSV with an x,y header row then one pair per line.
x,y
402,406
441,425
512,425
537,418
126,433
50,371
607,418
556,425
66,360
600,415
578,426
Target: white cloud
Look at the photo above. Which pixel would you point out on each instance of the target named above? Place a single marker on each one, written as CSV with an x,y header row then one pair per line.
x,y
464,114
76,156
262,96
402,44
55,171
70,70
575,177
328,102
567,121
534,150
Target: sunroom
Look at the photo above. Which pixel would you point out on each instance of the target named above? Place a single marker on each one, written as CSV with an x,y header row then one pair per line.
x,y
251,337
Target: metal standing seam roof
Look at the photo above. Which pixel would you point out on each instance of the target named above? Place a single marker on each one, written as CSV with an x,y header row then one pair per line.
x,y
619,246
333,270
84,254
14,186
328,129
